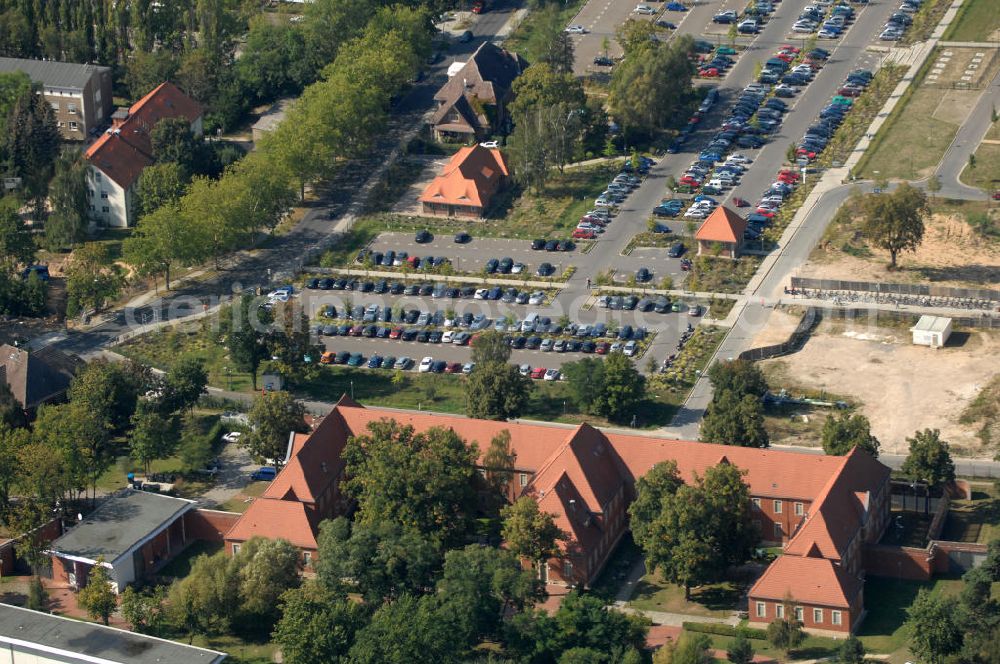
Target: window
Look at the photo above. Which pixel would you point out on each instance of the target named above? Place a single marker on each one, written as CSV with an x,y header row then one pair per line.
x,y
55,106
835,617
236,547
761,610
71,109
818,616
104,194
777,507
524,479
105,209
92,208
777,531
756,502
779,611
73,126
97,97
799,614
799,509
307,558
97,175
567,570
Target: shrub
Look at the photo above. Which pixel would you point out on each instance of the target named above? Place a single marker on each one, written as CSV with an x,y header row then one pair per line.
x,y
721,629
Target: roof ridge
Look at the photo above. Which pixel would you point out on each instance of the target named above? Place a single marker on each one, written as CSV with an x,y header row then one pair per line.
x,y
557,452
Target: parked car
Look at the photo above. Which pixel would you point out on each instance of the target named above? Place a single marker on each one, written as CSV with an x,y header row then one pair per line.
x,y
264,474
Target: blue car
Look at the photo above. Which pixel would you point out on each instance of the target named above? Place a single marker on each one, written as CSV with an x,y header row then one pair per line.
x,y
264,474
675,7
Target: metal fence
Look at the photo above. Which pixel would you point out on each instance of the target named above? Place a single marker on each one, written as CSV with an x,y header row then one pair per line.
x,y
927,290
810,319
859,313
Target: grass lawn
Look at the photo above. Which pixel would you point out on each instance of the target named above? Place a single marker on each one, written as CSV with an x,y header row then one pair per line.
x,y
976,21
180,566
972,521
886,601
912,141
518,40
986,173
241,501
792,424
717,600
721,275
813,647
240,651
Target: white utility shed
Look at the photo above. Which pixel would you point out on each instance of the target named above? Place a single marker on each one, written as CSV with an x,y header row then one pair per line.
x,y
931,331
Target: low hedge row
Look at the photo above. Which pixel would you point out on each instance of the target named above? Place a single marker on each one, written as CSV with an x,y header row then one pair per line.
x,y
722,629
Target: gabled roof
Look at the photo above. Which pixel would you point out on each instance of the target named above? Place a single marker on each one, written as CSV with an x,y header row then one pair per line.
x,y
123,151
587,460
488,74
312,468
470,120
564,501
839,511
276,519
51,74
472,174
36,377
723,225
807,580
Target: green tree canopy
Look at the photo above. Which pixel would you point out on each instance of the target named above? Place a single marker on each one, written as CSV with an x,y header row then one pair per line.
x,y
734,420
92,279
740,376
266,569
186,380
317,625
154,436
528,531
842,434
929,459
934,628
740,650
652,84
895,221
66,225
585,378
785,633
496,391
273,417
98,597
421,480
623,390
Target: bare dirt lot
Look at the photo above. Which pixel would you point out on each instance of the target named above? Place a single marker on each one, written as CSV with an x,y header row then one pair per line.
x,y
952,254
900,387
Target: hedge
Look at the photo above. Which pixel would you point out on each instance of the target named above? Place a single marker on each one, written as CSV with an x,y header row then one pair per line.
x,y
721,629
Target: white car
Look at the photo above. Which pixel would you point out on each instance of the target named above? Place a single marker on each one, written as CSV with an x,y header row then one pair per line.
x,y
552,374
524,369
803,28
695,213
631,348
739,159
425,365
468,367
644,9
232,437
827,34
278,296
517,268
448,337
480,294
576,30
538,297
490,144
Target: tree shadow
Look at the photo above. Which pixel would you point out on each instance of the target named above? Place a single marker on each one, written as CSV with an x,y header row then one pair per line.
x,y
982,274
811,652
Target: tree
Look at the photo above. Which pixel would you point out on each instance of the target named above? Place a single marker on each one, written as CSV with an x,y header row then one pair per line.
x,y
273,416
92,278
266,569
693,533
16,246
734,420
851,651
732,34
585,621
526,148
785,633
144,70
291,342
66,225
935,632
842,434
383,560
184,383
692,649
80,441
158,185
496,391
317,625
740,650
245,344
144,611
933,185
32,144
929,459
741,376
164,237
196,449
498,463
11,441
418,480
206,600
173,141
153,436
895,221
582,656
585,378
652,84
548,43
623,389
98,597
529,532
490,347
412,629
109,391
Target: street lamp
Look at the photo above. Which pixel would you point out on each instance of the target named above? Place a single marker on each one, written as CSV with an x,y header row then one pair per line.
x,y
352,390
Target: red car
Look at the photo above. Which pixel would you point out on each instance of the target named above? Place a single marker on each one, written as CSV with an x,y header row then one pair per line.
x,y
788,176
602,348
711,72
580,234
850,92
690,181
538,373
996,195
789,47
596,221
454,367
740,202
765,212
787,57
478,7
694,119
806,152
685,264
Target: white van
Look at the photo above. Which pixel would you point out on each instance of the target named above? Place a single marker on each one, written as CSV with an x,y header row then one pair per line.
x,y
528,324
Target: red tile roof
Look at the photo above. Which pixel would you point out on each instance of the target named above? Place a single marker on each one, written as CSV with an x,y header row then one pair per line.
x,y
807,580
312,468
125,150
471,176
277,519
723,225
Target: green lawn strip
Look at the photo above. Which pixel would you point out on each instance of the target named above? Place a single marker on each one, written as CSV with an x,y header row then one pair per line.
x,y
986,172
241,501
721,275
518,39
976,21
972,521
716,600
180,565
886,601
813,647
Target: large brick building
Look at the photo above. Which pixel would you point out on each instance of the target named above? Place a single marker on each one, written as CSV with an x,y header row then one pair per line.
x,y
821,508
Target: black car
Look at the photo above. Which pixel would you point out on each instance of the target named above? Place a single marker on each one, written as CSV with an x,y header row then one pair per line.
x,y
313,284
587,346
423,336
505,265
565,245
467,291
518,342
603,61
366,287
625,332
382,333
426,289
533,343
661,305
423,237
409,334
343,330
491,265
434,337
629,302
545,270
381,287
462,238
643,275
551,245
676,250
439,366
397,288
645,304
538,244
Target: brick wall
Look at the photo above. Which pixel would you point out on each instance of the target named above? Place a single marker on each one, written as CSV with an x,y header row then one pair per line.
x,y
209,525
899,562
811,620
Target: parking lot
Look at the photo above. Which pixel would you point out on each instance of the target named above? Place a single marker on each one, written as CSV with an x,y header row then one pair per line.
x,y
472,256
